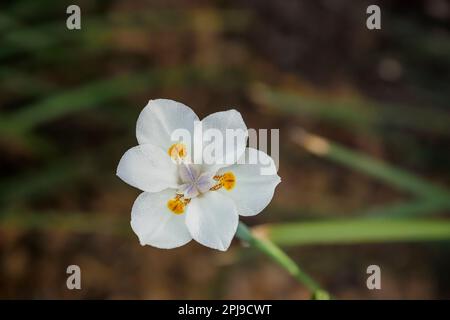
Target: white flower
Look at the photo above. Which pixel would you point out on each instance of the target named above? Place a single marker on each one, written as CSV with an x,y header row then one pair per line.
x,y
182,200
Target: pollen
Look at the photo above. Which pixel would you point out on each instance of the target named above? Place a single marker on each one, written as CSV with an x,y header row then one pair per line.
x,y
177,151
228,180
176,205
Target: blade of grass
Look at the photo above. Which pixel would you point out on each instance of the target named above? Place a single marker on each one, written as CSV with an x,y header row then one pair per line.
x,y
24,9
356,231
101,91
23,83
59,172
409,209
339,231
36,182
84,97
99,32
356,113
7,22
357,161
66,222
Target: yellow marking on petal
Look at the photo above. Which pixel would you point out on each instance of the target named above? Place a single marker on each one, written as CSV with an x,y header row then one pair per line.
x,y
177,151
228,180
176,205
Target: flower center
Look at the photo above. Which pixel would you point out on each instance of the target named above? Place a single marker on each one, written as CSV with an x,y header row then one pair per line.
x,y
199,184
177,151
194,183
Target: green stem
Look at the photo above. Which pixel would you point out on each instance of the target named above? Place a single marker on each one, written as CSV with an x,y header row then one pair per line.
x,y
276,254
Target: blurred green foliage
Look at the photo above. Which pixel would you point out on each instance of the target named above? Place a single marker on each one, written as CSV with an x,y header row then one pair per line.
x,y
95,81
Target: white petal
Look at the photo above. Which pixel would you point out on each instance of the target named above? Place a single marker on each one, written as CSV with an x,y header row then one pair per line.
x,y
159,120
212,220
232,121
253,190
148,168
155,224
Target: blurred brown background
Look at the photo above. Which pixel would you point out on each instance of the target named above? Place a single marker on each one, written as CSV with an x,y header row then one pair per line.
x,y
70,99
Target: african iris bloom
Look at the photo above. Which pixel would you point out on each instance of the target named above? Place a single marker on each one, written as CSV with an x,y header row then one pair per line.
x,y
183,199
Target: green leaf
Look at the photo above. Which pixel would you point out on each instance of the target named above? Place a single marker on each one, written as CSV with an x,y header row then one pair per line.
x,y
356,231
355,113
358,161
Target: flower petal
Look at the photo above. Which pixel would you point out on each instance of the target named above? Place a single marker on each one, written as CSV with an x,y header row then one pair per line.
x,y
255,182
155,224
148,168
212,220
160,118
221,122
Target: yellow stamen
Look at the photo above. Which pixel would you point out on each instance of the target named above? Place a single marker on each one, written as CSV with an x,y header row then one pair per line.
x,y
228,180
177,151
176,205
